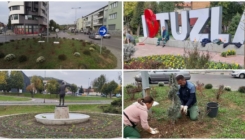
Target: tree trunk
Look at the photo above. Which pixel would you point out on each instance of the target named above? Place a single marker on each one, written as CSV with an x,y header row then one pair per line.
x,y
138,30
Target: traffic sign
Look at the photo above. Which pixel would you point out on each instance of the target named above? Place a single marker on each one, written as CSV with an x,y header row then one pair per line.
x,y
102,30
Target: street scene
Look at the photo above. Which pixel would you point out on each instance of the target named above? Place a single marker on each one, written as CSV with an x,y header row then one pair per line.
x,y
183,35
87,36
184,104
54,104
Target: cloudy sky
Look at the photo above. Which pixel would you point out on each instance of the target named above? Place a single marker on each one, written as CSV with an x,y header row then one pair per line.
x,y
77,77
61,11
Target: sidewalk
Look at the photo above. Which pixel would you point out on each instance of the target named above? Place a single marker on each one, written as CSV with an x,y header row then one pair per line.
x,y
147,50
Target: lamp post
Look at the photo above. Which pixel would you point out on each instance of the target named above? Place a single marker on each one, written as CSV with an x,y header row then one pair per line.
x,y
75,17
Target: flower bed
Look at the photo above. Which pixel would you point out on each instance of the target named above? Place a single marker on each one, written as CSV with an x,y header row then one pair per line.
x,y
171,61
228,53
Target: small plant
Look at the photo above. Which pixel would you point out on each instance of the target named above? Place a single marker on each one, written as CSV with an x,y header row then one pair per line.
x,y
160,84
200,87
9,57
224,54
2,55
241,89
228,53
40,59
91,49
62,57
227,88
208,86
1,44
72,39
86,52
22,58
77,54
11,40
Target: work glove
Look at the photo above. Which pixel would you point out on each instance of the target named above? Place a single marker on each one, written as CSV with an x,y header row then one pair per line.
x,y
154,131
185,108
181,107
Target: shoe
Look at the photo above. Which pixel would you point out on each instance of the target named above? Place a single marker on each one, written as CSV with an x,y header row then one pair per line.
x,y
163,45
157,45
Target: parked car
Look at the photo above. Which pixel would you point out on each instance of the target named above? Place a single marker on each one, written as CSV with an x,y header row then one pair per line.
x,y
107,35
118,95
94,36
43,33
103,95
156,76
238,74
81,31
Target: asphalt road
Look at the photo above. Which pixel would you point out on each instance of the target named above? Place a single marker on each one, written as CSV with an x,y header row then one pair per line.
x,y
214,79
114,44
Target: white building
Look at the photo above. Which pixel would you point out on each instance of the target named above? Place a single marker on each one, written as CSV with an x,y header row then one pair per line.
x,y
28,17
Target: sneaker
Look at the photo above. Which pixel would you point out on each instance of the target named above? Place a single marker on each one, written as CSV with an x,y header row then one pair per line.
x,y
157,45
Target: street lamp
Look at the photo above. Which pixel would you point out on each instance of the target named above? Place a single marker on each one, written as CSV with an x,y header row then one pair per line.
x,y
75,16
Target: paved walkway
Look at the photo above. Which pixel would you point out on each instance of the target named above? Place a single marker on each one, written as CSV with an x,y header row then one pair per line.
x,y
147,50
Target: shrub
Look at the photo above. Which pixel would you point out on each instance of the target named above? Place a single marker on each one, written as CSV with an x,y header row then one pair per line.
x,y
77,54
40,59
129,50
227,88
86,52
112,109
241,89
117,102
1,44
11,40
224,54
6,42
72,38
160,84
23,38
2,55
129,86
9,57
62,57
208,86
228,53
64,37
91,49
22,58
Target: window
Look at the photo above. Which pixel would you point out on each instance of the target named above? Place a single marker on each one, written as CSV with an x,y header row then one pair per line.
x,y
15,17
16,8
112,26
113,5
113,16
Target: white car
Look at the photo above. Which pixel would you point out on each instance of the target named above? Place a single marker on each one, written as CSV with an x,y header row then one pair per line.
x,y
107,35
238,73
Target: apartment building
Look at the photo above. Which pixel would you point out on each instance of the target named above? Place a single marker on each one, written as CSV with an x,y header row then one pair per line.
x,y
28,17
114,21
79,23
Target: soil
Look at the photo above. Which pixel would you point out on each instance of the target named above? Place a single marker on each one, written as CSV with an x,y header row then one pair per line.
x,y
183,128
25,126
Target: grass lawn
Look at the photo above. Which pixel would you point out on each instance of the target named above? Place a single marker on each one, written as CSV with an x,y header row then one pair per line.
x,y
32,50
55,96
7,110
229,123
12,98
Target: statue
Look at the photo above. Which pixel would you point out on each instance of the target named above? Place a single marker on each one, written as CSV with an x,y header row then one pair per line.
x,y
62,93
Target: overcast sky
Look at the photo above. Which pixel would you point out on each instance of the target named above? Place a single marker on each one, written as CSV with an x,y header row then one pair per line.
x,y
77,77
61,11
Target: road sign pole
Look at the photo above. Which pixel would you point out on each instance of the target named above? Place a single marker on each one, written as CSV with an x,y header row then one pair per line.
x,y
101,44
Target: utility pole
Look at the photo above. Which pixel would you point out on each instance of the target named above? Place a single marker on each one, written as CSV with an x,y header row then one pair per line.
x,y
75,17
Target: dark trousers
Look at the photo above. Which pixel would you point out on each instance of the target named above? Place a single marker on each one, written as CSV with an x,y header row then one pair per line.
x,y
62,97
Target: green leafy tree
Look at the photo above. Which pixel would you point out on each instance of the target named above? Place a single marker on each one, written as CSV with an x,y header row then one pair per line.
x,y
234,24
99,82
81,90
136,20
37,83
16,80
174,109
128,12
230,9
52,86
109,88
9,24
152,5
73,89
166,7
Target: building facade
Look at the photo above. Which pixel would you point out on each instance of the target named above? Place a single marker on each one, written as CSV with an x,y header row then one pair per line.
x,y
28,17
114,21
79,23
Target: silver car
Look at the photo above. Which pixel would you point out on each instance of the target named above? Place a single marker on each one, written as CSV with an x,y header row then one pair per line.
x,y
238,74
156,76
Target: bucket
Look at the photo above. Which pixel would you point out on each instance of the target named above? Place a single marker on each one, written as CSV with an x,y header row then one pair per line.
x,y
212,109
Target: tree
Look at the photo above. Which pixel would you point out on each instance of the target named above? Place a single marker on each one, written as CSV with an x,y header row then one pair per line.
x,y
9,23
234,24
52,23
73,88
31,88
4,79
152,5
230,9
129,8
99,82
16,80
37,83
109,88
136,20
174,109
118,89
166,7
52,86
81,90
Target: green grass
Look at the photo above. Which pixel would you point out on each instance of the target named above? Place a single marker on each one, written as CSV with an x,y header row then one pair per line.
x,y
7,110
12,98
230,122
32,49
52,96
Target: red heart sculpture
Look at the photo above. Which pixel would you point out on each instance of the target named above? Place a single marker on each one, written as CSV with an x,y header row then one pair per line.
x,y
151,22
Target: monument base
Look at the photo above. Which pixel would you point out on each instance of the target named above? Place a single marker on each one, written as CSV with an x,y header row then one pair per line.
x,y
61,112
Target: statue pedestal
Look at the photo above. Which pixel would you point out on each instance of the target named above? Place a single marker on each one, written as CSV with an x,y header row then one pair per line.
x,y
61,112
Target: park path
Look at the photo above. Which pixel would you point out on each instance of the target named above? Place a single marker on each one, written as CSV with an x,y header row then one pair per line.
x,y
148,50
